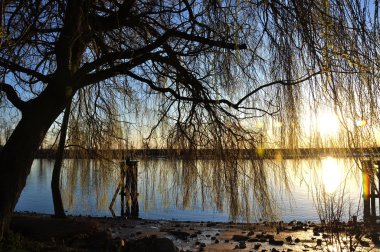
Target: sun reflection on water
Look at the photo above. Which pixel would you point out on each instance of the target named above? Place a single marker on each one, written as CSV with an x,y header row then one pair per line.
x,y
332,174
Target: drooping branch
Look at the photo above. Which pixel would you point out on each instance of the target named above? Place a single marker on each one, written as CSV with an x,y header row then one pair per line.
x,y
12,96
210,42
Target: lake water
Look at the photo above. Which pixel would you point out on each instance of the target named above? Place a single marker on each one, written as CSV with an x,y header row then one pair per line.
x,y
204,190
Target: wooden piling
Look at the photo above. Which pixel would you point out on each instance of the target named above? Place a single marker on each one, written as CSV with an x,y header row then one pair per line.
x,y
132,171
122,192
371,184
129,205
366,191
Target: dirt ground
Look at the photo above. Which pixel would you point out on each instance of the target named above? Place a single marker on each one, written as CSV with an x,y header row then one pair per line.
x,y
112,234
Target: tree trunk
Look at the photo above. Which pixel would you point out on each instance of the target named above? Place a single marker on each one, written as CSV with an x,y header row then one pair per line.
x,y
17,156
59,210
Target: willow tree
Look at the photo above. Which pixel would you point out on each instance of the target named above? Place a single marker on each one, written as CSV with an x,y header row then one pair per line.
x,y
213,64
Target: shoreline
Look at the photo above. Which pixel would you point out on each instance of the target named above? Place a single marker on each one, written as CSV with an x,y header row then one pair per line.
x,y
110,234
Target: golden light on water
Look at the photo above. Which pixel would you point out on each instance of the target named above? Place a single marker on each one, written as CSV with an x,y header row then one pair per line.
x,y
332,174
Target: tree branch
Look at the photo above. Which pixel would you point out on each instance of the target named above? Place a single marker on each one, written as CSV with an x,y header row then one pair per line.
x,y
12,96
282,82
110,72
17,68
88,67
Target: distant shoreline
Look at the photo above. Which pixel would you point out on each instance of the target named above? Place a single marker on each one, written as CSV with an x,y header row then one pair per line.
x,y
213,154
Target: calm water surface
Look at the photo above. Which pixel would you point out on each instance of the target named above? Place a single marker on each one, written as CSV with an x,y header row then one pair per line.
x,y
190,190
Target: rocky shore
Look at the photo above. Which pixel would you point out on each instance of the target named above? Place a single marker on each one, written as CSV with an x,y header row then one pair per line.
x,y
116,234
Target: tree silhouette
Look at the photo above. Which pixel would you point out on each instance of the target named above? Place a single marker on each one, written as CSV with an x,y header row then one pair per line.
x,y
213,64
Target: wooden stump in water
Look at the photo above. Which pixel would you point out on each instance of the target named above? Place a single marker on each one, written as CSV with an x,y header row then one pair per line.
x,y
128,190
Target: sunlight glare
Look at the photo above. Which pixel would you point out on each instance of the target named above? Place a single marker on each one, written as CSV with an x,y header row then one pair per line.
x,y
332,174
328,123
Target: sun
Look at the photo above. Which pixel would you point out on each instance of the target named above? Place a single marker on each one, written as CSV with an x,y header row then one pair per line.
x,y
328,124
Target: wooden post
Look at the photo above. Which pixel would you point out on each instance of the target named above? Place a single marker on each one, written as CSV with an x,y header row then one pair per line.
x,y
378,180
131,185
134,193
373,203
122,192
129,205
128,189
366,191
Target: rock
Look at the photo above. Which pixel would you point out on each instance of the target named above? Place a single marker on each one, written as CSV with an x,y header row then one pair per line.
x,y
297,240
319,242
211,224
250,233
297,228
260,236
179,234
276,242
216,241
253,240
150,244
325,236
257,246
242,245
289,239
239,238
270,237
364,244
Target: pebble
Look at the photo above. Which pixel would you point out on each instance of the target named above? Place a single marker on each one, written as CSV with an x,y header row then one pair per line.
x,y
250,233
289,239
319,242
242,245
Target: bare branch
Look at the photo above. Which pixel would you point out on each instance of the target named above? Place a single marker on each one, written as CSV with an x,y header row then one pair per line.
x,y
282,82
18,68
12,96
